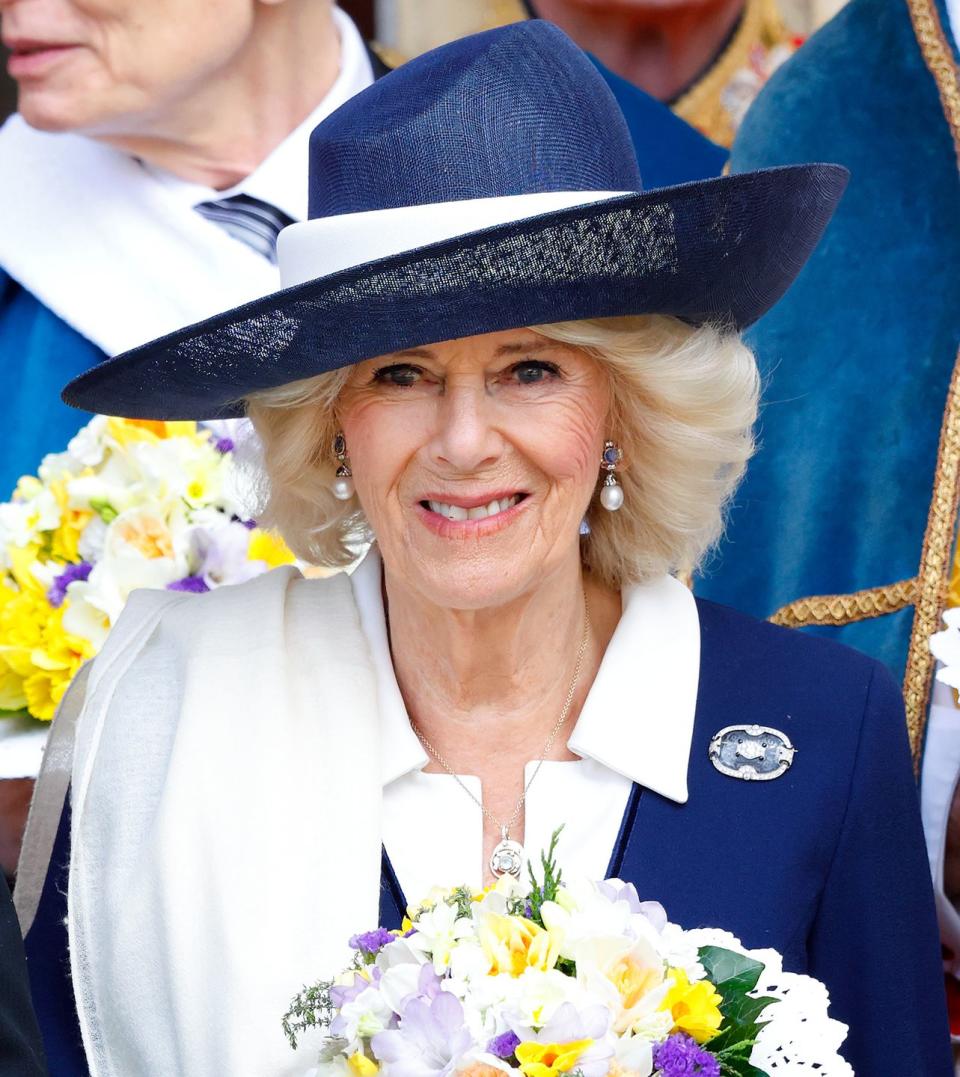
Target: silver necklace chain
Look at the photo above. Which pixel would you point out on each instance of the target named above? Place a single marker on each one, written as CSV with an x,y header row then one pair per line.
x,y
504,827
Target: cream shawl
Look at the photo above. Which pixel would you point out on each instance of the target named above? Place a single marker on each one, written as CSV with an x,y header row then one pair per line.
x,y
226,823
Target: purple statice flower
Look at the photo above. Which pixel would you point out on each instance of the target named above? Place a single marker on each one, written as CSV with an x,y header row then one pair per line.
x,y
372,942
682,1056
431,1039
71,574
194,585
223,445
503,1046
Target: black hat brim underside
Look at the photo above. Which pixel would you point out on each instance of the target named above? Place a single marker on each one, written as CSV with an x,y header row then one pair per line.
x,y
721,251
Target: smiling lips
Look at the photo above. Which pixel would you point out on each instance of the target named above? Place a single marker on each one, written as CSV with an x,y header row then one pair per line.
x,y
31,57
475,512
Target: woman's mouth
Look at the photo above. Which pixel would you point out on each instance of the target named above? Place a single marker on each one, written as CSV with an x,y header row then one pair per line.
x,y
475,517
477,512
33,58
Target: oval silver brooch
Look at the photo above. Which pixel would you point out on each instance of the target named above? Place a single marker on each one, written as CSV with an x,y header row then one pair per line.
x,y
751,752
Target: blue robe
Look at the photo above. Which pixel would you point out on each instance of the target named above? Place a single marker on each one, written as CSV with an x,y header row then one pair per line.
x,y
39,352
825,864
857,357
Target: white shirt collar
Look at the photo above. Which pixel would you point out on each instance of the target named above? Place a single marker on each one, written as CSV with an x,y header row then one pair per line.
x,y
281,179
638,717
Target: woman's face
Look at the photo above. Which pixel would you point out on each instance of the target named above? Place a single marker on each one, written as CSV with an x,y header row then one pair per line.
x,y
109,66
475,461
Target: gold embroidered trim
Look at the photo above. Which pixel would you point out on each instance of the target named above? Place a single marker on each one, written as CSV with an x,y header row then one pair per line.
x,y
938,57
935,560
935,563
845,609
702,105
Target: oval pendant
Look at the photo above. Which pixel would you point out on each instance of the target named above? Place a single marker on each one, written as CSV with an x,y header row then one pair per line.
x,y
507,858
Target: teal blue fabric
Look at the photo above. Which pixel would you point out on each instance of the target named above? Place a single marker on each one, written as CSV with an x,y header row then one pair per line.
x,y
39,353
858,355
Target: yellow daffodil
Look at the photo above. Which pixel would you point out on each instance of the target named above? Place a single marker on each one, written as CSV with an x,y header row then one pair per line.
x,y
361,1065
65,540
12,696
549,1059
695,1008
127,431
513,944
269,547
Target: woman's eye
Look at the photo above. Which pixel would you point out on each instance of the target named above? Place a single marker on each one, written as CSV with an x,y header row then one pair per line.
x,y
400,374
534,371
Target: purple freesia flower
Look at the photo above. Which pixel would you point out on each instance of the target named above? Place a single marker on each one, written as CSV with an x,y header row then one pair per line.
x,y
71,574
372,942
503,1046
194,585
430,1041
682,1056
223,445
618,890
340,994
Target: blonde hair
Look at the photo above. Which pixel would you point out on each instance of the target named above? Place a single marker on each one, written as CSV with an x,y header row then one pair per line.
x,y
683,404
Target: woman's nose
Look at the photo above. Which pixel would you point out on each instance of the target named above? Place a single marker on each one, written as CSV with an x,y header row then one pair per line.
x,y
465,437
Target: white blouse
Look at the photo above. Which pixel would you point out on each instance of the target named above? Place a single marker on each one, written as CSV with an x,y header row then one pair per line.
x,y
635,726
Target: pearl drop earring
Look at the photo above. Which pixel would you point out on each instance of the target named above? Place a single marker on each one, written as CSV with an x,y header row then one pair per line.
x,y
342,485
611,493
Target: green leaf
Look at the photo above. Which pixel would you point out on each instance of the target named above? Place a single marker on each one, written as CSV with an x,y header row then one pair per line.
x,y
740,1067
743,1010
728,971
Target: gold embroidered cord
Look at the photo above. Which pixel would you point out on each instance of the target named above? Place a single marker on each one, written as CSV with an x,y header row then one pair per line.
x,y
845,609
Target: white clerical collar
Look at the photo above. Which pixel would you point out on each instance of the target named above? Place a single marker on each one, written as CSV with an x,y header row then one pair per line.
x,y
638,716
281,179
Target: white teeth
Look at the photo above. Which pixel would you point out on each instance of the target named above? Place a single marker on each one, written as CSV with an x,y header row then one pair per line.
x,y
456,512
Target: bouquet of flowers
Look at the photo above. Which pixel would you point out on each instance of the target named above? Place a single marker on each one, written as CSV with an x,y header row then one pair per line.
x,y
554,978
129,504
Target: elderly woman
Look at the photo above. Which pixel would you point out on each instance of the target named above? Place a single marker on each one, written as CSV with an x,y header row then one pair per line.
x,y
519,374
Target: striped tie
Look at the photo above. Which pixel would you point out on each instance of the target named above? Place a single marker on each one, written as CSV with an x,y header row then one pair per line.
x,y
248,219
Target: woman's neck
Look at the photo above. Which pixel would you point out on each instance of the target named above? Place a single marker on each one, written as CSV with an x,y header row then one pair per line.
x,y
482,684
217,134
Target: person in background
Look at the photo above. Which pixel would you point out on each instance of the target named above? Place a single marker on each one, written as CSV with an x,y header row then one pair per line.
x,y
186,154
845,525
706,59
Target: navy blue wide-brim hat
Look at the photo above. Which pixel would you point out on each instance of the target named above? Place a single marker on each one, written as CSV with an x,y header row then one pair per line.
x,y
489,184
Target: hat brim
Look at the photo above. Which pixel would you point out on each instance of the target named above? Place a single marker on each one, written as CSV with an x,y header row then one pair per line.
x,y
720,250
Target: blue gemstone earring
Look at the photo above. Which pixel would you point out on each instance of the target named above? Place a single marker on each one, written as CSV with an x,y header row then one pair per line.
x,y
342,485
611,493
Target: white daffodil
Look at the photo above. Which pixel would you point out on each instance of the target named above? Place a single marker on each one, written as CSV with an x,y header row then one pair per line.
x,y
88,445
633,1055
438,931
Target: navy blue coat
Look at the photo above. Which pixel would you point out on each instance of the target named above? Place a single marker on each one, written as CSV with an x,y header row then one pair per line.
x,y
825,864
